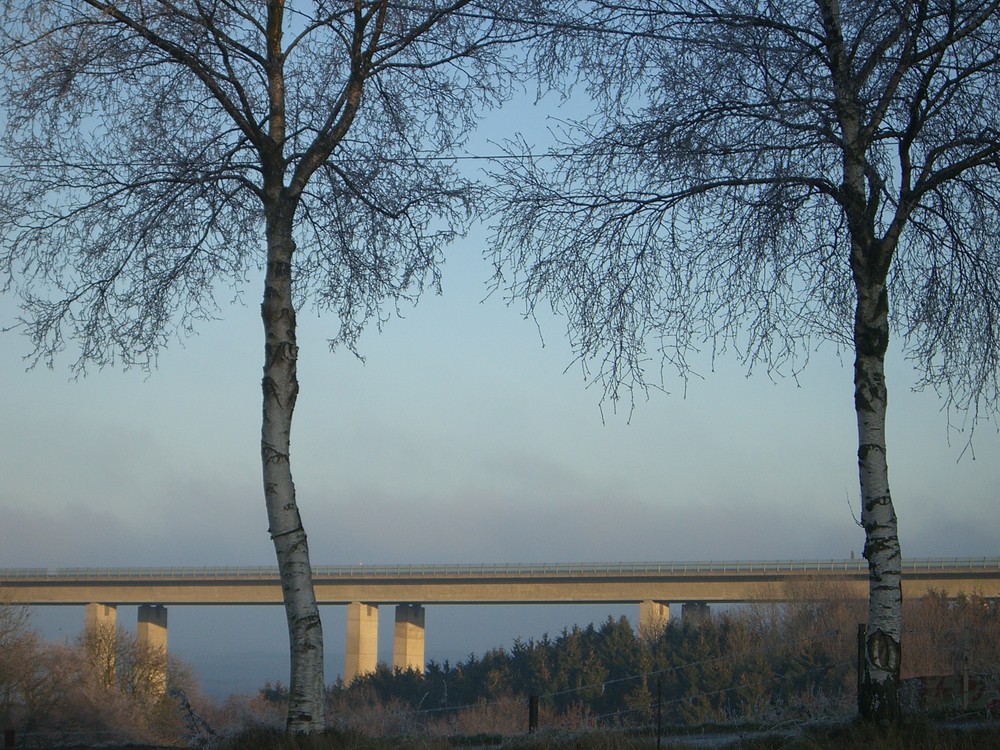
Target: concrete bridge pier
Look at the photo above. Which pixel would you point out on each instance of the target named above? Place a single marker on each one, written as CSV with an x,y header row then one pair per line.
x,y
408,644
100,639
151,642
100,617
653,618
362,640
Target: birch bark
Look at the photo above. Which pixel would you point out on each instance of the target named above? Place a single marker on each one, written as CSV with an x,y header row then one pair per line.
x,y
280,388
878,694
878,697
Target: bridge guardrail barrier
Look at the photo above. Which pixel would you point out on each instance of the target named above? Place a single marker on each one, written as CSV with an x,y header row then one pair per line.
x,y
491,570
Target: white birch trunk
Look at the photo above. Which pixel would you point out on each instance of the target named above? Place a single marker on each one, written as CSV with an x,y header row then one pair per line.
x,y
280,388
878,697
878,683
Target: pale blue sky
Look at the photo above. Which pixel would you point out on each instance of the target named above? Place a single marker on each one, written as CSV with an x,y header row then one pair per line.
x,y
463,439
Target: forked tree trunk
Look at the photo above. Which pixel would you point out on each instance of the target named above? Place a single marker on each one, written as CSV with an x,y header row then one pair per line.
x,y
280,388
878,695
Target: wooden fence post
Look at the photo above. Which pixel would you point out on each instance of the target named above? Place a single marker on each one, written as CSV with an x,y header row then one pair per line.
x,y
532,713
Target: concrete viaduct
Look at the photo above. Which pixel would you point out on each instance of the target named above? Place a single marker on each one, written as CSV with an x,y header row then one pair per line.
x,y
653,586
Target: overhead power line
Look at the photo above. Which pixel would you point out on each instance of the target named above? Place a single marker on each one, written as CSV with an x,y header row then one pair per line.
x,y
252,166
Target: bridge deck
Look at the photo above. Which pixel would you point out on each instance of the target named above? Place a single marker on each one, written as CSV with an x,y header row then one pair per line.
x,y
730,581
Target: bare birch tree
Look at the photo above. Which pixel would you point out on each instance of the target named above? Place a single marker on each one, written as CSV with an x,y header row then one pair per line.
x,y
762,176
159,151
17,640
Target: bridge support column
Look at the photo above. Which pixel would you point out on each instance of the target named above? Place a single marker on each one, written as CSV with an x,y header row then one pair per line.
x,y
653,618
408,644
362,640
100,640
695,613
151,646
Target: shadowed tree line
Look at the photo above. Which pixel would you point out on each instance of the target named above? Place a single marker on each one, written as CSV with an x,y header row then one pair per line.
x,y
721,669
762,662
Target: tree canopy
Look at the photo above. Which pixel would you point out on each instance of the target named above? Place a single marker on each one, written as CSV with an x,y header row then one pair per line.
x,y
703,202
142,139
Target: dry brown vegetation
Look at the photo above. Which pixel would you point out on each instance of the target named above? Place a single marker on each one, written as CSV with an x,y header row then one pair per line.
x,y
102,690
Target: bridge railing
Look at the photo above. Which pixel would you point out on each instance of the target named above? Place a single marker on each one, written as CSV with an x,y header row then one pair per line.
x,y
494,570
